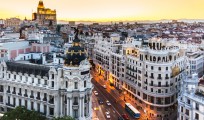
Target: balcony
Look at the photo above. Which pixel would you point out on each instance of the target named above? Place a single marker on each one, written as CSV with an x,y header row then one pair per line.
x,y
145,82
8,91
159,78
146,75
152,77
51,101
19,94
38,98
9,104
1,90
44,99
167,78
14,92
25,95
75,103
31,96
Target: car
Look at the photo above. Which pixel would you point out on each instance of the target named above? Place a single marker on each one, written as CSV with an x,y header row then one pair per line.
x,y
104,86
100,101
95,93
96,108
125,116
108,103
107,115
120,118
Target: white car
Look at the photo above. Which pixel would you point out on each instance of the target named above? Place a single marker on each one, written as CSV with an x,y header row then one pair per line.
x,y
108,115
95,93
108,103
104,86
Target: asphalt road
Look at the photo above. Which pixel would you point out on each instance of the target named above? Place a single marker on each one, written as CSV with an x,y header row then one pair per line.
x,y
117,108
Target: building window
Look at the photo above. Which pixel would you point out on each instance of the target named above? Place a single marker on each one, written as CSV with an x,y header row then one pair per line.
x,y
45,82
14,76
166,68
38,107
187,112
66,84
51,111
197,106
32,80
19,102
52,83
159,68
32,106
8,89
196,116
84,83
45,109
38,81
26,104
75,101
181,109
75,113
9,75
152,67
188,101
75,85
20,91
1,98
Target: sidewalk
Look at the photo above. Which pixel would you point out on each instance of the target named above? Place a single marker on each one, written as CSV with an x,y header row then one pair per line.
x,y
97,112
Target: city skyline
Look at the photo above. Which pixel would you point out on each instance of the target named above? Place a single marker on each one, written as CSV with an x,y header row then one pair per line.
x,y
114,10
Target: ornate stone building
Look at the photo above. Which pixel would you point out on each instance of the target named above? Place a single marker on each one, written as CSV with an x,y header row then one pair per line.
x,y
54,90
44,16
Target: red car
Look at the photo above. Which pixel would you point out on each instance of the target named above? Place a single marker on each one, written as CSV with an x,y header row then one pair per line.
x,y
125,117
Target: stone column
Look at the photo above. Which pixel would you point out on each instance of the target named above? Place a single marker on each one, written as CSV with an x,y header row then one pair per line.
x,y
57,105
47,113
80,98
41,107
61,105
23,102
17,101
28,104
82,106
70,107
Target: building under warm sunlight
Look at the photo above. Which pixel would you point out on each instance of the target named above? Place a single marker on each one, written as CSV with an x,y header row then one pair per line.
x,y
44,16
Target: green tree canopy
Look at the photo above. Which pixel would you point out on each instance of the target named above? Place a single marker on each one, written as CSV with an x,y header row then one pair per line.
x,y
64,118
21,113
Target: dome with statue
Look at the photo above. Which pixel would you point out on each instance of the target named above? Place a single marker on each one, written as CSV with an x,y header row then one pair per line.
x,y
76,53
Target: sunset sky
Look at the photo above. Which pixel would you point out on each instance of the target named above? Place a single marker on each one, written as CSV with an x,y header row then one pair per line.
x,y
108,10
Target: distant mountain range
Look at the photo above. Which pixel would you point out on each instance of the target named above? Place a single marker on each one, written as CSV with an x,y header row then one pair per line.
x,y
138,21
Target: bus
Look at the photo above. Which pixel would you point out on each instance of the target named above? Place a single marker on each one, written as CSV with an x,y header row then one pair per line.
x,y
132,110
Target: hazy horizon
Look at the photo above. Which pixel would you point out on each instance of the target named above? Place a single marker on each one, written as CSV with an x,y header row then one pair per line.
x,y
106,10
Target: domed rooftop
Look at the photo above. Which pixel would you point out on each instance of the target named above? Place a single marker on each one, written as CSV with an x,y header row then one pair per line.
x,y
40,4
76,53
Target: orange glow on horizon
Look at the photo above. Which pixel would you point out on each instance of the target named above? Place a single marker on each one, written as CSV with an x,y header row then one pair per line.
x,y
107,10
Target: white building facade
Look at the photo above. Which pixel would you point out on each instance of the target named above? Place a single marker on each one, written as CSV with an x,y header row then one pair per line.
x,y
53,90
149,74
191,100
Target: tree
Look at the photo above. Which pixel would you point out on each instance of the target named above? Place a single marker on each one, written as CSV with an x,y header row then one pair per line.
x,y
64,118
21,113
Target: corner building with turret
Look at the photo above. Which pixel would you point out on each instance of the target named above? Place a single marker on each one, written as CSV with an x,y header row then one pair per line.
x,y
53,90
147,73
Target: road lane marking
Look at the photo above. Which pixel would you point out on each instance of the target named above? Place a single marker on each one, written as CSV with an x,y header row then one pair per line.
x,y
107,99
